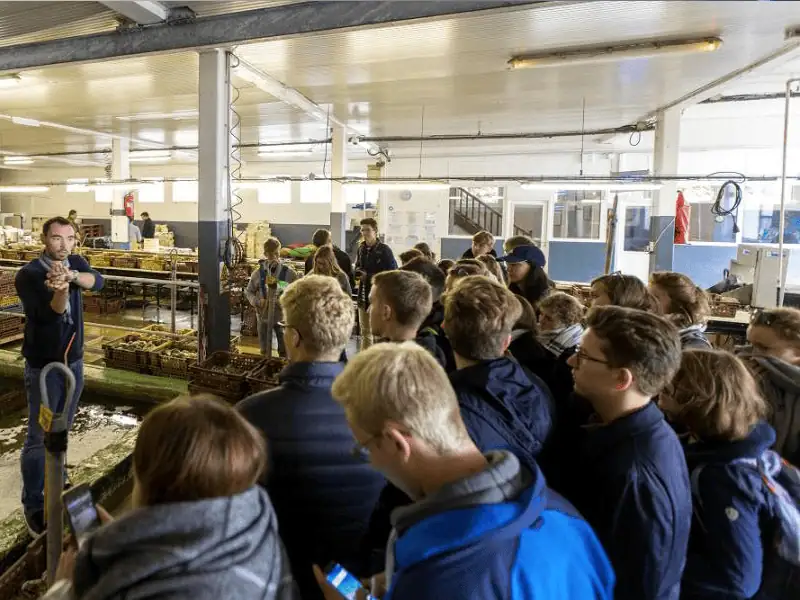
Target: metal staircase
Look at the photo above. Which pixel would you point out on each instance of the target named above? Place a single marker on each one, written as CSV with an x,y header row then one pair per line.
x,y
471,214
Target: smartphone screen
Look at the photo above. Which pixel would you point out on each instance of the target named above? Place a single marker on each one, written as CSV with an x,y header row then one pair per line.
x,y
81,512
345,582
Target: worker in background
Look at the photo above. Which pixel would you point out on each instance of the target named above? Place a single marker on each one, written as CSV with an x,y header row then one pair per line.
x,y
322,237
134,235
50,289
482,243
272,271
148,227
373,257
72,217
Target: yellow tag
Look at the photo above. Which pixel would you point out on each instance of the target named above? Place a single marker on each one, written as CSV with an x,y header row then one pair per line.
x,y
271,280
45,418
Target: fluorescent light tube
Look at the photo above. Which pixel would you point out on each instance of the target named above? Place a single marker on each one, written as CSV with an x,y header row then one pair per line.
x,y
399,185
610,186
9,189
593,54
25,121
9,81
17,160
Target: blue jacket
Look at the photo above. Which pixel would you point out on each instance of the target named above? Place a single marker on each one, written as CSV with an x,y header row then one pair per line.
x,y
497,535
323,496
504,407
725,555
633,488
47,334
370,261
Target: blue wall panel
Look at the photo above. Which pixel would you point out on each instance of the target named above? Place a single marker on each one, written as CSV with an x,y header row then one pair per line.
x,y
704,264
576,261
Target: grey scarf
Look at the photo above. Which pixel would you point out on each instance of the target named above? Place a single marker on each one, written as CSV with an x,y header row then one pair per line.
x,y
47,264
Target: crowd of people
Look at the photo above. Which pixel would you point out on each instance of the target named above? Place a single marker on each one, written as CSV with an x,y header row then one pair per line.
x,y
493,439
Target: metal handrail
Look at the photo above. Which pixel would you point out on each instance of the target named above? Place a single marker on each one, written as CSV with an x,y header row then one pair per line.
x,y
125,278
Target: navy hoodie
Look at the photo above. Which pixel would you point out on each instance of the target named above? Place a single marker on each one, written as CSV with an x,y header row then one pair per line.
x,y
504,407
632,485
726,554
47,334
322,495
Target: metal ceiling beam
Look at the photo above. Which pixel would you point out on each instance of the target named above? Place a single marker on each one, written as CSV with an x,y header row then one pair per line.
x,y
142,12
235,28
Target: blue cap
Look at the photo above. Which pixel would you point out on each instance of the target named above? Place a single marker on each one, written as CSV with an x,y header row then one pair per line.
x,y
530,254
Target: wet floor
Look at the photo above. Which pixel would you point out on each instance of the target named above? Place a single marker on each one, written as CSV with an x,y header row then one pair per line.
x,y
97,424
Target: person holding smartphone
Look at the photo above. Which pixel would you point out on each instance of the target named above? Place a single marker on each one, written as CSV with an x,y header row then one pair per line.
x,y
201,527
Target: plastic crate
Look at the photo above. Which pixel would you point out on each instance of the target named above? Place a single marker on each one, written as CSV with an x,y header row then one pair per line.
x,y
126,366
30,254
7,302
232,383
7,287
125,262
265,377
10,254
725,309
153,264
249,322
119,352
174,366
232,397
11,326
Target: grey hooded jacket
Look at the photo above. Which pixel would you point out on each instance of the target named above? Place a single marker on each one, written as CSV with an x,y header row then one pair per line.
x,y
222,548
780,384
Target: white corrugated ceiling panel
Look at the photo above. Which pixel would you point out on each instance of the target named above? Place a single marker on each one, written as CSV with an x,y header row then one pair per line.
x,y
26,22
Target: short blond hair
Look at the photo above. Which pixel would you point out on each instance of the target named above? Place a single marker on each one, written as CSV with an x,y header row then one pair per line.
x,y
717,395
402,383
479,315
320,311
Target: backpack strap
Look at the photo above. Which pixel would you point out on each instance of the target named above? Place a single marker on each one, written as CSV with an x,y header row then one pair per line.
x,y
262,273
429,330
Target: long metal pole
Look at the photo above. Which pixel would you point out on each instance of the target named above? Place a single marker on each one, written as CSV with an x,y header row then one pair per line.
x,y
188,284
781,275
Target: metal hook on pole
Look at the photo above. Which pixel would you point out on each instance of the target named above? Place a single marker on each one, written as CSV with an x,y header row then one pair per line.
x,y
55,426
781,273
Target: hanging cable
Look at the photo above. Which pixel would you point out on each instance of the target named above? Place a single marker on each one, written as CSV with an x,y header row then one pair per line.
x,y
233,253
718,210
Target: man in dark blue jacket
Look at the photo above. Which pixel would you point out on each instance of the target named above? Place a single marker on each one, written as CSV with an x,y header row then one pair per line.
x,y
50,290
503,405
323,496
482,525
373,257
630,479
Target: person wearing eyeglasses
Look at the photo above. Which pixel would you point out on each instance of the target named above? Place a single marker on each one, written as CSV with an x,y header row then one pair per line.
x,y
774,358
323,496
628,477
483,525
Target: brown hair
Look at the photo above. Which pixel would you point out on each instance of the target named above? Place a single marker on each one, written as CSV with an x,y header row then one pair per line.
x,y
785,322
688,302
426,250
465,267
272,246
370,222
195,448
491,264
445,265
479,315
407,293
527,320
325,262
432,274
516,241
717,395
644,343
409,255
483,238
628,291
563,309
321,237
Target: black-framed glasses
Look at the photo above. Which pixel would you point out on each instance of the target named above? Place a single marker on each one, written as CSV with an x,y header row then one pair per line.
x,y
580,356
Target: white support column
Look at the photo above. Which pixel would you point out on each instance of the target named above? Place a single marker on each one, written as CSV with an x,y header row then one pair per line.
x,y
665,162
338,169
120,170
212,168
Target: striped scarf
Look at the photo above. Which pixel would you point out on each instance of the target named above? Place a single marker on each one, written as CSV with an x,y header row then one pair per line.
x,y
559,340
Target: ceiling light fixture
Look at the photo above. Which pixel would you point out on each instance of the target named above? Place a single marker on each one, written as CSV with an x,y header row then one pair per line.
x,y
150,156
399,185
291,96
22,189
10,81
178,115
286,150
17,160
26,122
594,54
600,186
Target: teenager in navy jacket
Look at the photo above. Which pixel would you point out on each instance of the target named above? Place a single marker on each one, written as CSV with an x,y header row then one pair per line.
x,y
629,478
482,525
503,405
716,400
322,495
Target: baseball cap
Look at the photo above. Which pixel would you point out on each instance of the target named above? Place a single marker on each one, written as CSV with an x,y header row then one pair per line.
x,y
531,254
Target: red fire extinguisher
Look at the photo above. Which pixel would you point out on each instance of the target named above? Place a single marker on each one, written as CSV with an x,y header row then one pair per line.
x,y
682,214
128,203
